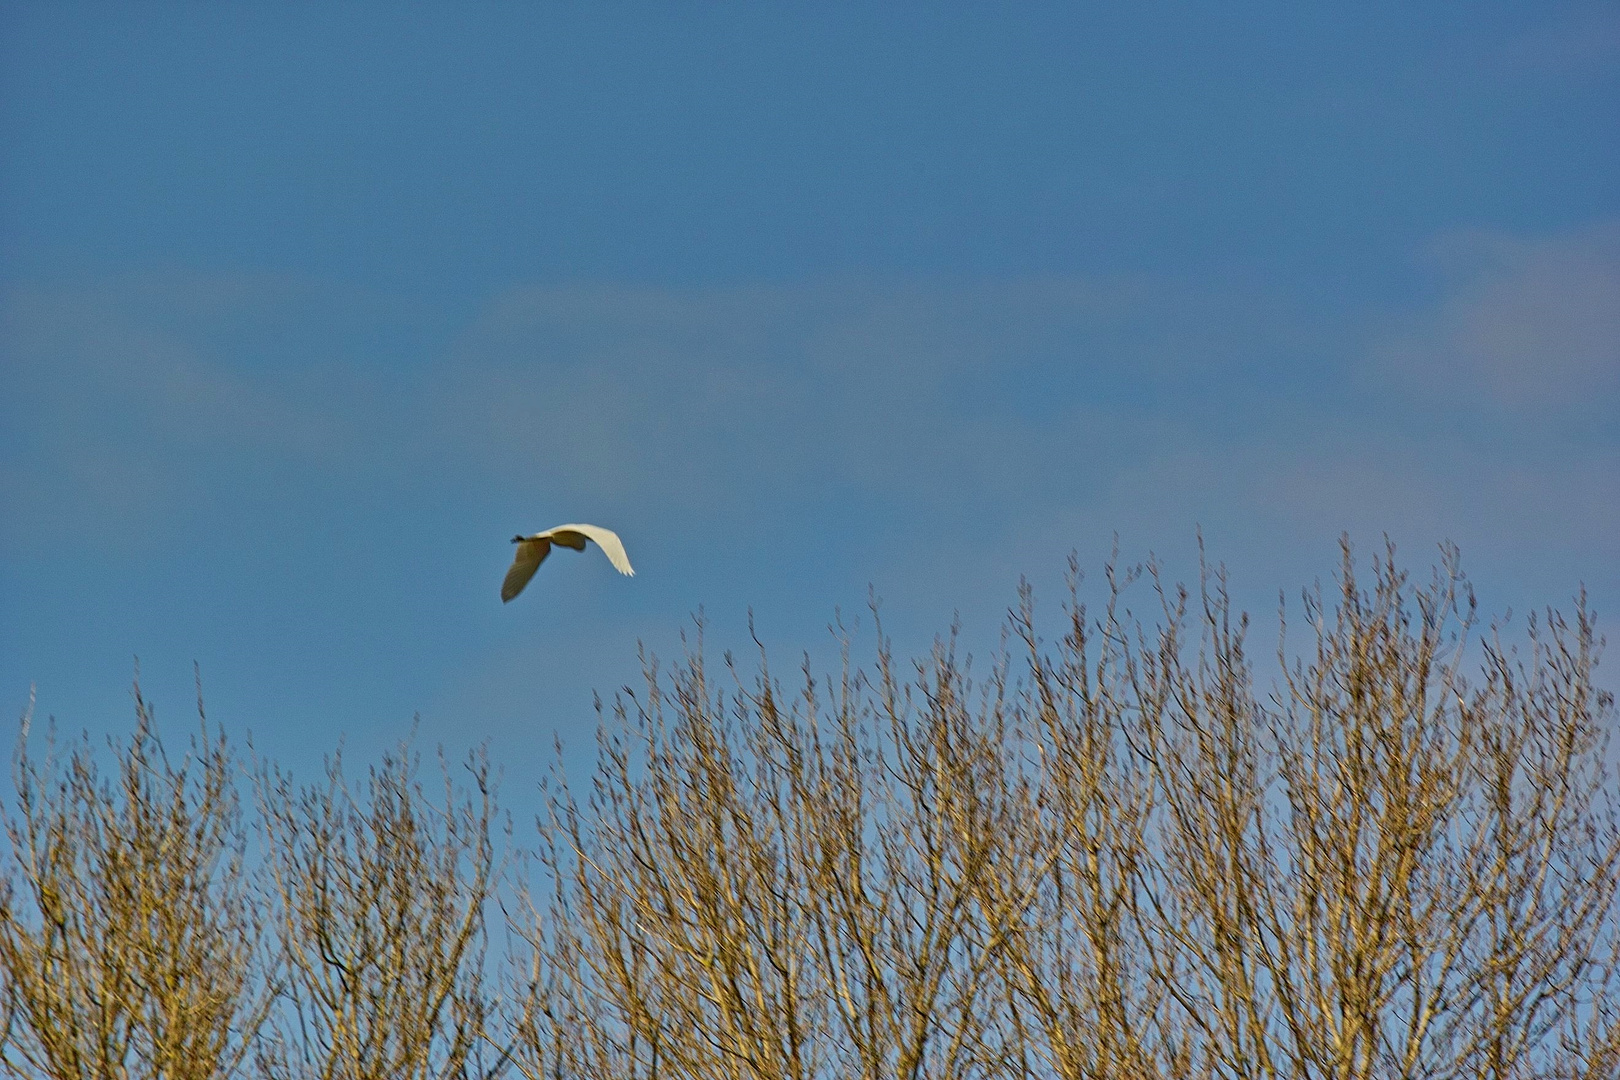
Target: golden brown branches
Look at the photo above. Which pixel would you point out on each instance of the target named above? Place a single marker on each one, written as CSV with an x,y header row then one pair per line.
x,y
1119,854
128,933
379,907
1127,861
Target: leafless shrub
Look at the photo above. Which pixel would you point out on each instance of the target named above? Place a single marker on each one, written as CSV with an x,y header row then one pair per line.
x,y
1124,862
1381,872
128,936
1115,855
379,906
764,896
1075,973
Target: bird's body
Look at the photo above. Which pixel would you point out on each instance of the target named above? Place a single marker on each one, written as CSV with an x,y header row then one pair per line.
x,y
532,551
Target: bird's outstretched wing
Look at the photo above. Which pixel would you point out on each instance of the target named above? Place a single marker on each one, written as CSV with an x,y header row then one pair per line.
x,y
531,552
574,536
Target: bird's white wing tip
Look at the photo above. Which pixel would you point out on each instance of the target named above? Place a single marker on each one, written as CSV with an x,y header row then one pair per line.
x,y
606,539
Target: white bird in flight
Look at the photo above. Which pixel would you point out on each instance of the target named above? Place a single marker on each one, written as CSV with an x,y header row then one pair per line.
x,y
532,551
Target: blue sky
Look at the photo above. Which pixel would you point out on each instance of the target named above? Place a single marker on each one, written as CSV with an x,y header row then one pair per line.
x,y
306,308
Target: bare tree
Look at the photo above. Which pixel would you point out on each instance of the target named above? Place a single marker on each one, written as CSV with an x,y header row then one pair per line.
x,y
1381,872
379,906
1081,1003
1127,861
128,936
762,895
1117,854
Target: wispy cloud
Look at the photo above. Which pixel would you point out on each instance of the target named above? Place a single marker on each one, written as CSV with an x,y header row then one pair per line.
x,y
122,410
914,422
290,476
1527,323
1577,43
904,392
